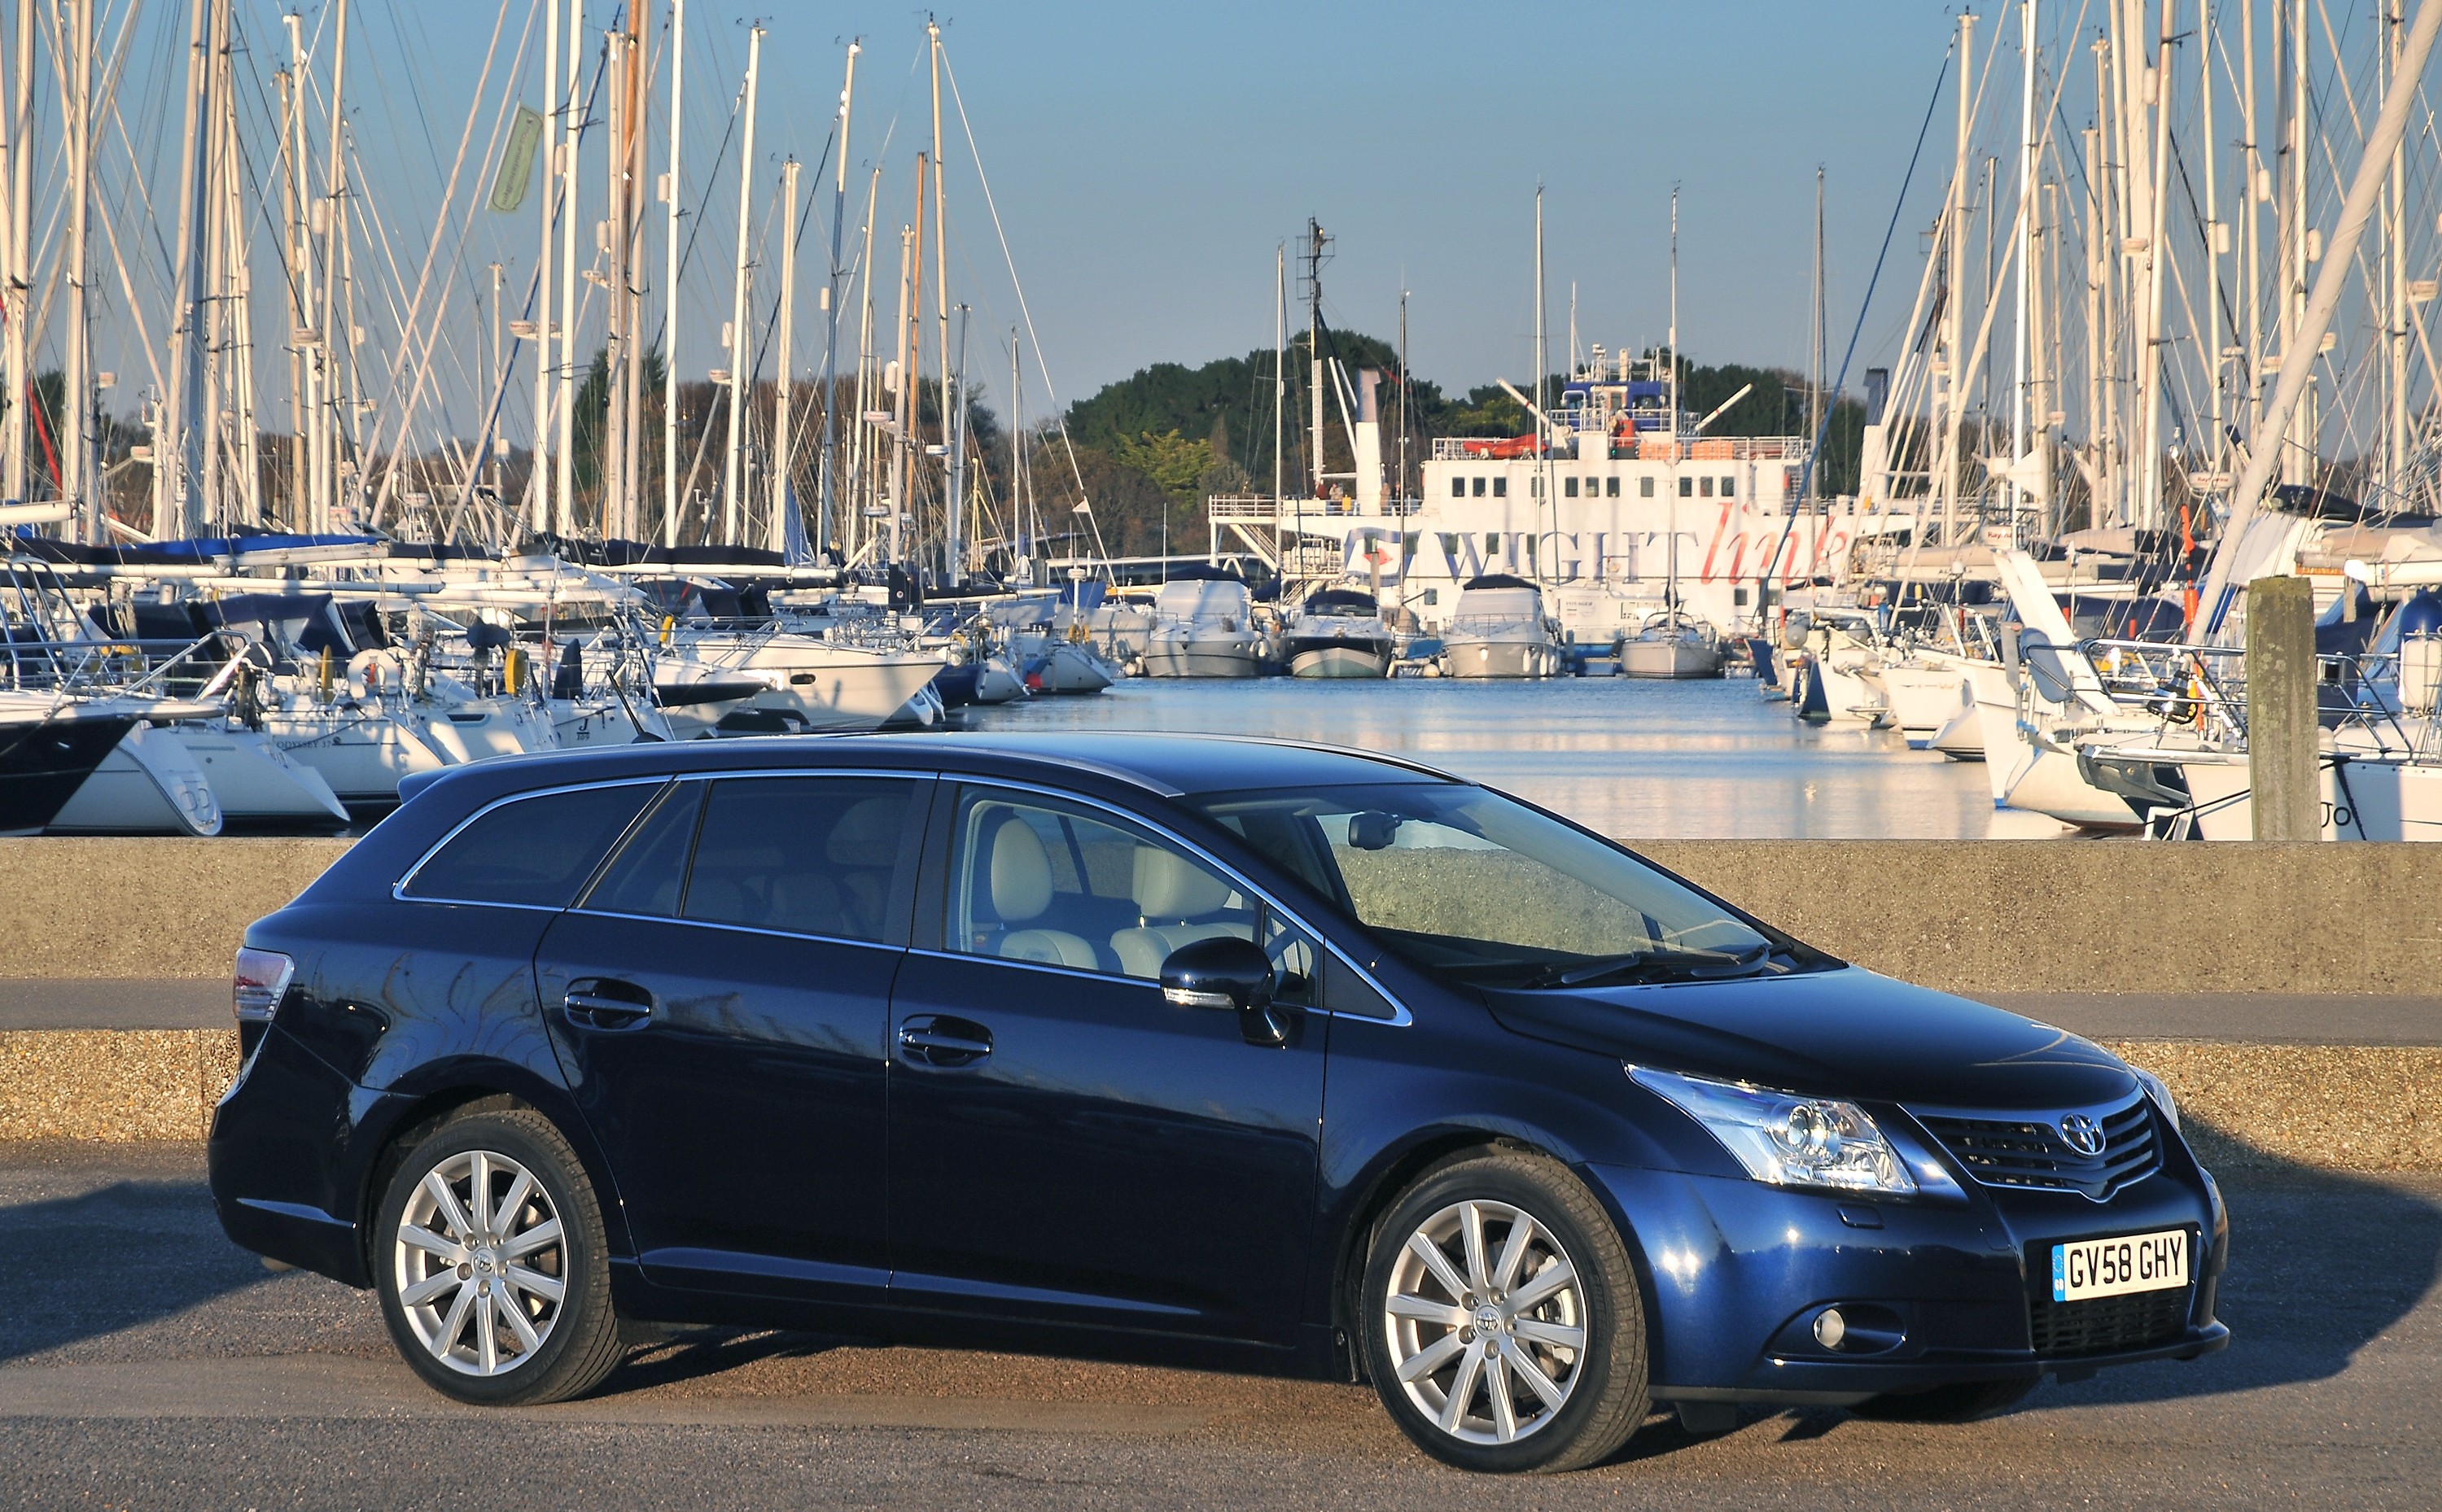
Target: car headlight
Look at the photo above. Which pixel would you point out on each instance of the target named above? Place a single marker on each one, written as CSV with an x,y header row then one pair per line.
x,y
1787,1140
2161,1092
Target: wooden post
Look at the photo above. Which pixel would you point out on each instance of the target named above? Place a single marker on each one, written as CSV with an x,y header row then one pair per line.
x,y
2285,787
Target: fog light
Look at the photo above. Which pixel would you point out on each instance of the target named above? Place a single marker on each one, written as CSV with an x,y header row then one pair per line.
x,y
1831,1328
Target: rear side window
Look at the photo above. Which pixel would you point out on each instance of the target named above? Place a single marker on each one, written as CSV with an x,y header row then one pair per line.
x,y
533,851
803,855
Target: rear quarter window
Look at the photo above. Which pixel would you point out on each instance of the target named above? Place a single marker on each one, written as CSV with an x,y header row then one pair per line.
x,y
535,852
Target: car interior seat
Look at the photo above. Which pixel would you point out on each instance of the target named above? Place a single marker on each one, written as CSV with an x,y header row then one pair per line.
x,y
1020,874
1180,903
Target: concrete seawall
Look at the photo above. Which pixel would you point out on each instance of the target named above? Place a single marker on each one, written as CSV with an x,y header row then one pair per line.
x,y
1968,917
2283,992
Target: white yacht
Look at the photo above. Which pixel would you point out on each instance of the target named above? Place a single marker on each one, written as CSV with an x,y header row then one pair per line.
x,y
810,683
1500,630
1339,633
1204,626
1673,645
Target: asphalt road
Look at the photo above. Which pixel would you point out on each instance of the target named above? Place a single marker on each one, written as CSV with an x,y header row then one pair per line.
x,y
144,1361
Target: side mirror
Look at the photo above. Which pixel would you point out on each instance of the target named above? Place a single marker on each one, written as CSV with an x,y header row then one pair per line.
x,y
1226,973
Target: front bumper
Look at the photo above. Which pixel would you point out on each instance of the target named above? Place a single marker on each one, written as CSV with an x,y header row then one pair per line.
x,y
1736,1272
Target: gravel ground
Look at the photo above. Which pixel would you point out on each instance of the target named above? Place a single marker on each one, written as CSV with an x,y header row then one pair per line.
x,y
144,1361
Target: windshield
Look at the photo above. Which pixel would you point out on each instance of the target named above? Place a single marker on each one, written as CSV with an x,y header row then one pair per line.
x,y
1476,887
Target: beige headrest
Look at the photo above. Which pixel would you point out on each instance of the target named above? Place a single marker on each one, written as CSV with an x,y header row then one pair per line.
x,y
868,834
1168,886
1021,873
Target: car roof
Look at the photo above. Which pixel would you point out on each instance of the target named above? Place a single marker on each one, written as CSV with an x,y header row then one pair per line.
x,y
1172,765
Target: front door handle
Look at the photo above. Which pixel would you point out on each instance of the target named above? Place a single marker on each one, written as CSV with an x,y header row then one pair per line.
x,y
606,1003
938,1039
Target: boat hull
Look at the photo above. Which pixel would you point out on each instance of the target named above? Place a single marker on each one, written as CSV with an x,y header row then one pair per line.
x,y
1501,659
149,783
44,761
1671,660
1340,659
261,787
1165,657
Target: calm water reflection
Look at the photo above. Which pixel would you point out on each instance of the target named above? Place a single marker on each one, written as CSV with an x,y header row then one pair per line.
x,y
1697,760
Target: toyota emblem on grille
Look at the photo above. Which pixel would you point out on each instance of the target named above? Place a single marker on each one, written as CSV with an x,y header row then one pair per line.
x,y
2083,1134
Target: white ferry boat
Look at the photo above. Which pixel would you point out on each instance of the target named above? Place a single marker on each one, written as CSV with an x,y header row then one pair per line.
x,y
1619,507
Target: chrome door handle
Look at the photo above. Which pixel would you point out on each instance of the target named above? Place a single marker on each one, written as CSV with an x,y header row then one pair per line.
x,y
931,1039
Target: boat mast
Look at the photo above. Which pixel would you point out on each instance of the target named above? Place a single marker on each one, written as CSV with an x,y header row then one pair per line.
x,y
537,479
2257,189
75,405
178,462
953,503
2396,324
2153,367
740,347
1544,438
1670,582
2026,253
1279,370
1955,246
670,283
572,122
1314,344
859,435
776,530
825,485
19,274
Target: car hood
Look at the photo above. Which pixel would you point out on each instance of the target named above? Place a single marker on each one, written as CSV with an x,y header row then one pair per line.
x,y
1844,1034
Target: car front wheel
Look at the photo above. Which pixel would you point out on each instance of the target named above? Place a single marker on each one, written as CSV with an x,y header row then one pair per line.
x,y
1502,1324
490,1262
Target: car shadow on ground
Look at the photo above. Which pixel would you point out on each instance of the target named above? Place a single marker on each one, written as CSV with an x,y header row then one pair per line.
x,y
695,1354
112,1258
2296,1230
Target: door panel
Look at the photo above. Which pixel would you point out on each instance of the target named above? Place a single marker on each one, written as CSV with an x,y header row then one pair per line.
x,y
1109,1157
744,1109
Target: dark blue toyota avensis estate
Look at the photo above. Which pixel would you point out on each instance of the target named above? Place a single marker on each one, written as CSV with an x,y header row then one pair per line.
x,y
1229,1053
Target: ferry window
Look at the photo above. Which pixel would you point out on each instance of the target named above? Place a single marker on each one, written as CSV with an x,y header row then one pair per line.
x,y
1432,596
1479,488
1568,487
533,851
1644,488
1501,489
1729,487
1686,487
1611,486
1458,489
1704,487
1535,487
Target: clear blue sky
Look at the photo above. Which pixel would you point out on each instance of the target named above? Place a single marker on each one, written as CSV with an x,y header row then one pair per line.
x,y
1148,158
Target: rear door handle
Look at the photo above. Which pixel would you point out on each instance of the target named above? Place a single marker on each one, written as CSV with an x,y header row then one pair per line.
x,y
938,1039
606,1003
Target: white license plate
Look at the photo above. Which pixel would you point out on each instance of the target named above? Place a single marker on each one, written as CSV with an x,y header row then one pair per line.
x,y
2114,1267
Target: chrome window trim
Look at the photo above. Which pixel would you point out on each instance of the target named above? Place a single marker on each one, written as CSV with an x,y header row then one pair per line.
x,y
398,889
1400,1017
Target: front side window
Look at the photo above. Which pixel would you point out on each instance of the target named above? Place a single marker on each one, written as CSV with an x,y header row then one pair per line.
x,y
1478,888
1057,884
535,852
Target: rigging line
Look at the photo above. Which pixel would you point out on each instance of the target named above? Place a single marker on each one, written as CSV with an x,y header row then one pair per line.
x,y
1815,453
1050,393
431,254
696,217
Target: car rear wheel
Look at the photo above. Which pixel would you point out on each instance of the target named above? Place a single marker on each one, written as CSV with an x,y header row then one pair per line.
x,y
1502,1324
490,1260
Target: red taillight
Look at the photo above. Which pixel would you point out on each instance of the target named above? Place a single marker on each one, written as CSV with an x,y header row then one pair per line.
x,y
262,981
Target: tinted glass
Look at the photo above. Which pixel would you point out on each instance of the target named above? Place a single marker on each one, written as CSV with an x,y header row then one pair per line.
x,y
651,867
807,855
1040,882
536,850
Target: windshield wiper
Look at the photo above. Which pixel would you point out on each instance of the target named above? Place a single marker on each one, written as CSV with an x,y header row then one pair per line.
x,y
1692,962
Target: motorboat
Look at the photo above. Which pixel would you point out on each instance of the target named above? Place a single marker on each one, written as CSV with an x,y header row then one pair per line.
x,y
1499,629
1204,626
49,745
1339,633
1673,644
810,683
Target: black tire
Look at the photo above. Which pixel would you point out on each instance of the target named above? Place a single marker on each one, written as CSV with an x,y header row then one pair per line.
x,y
1959,1402
1606,1385
580,1341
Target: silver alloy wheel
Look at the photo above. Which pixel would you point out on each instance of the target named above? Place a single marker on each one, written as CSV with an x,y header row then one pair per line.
x,y
480,1263
1487,1323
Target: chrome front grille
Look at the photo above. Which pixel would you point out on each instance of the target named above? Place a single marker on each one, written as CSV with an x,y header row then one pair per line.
x,y
2031,1152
